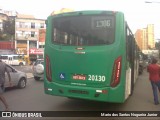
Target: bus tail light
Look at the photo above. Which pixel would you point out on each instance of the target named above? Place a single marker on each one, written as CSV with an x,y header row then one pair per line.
x,y
48,69
116,72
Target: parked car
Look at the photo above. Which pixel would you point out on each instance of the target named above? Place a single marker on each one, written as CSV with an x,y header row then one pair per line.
x,y
38,69
18,78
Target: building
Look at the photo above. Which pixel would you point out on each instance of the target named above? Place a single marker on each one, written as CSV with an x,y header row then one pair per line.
x,y
145,37
139,38
27,36
7,45
150,36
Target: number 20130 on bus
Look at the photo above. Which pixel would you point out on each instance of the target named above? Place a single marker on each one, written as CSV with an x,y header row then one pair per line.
x,y
98,78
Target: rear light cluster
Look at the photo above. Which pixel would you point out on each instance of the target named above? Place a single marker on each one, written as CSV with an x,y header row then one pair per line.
x,y
116,72
48,69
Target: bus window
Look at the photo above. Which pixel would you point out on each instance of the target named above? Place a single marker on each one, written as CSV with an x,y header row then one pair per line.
x,y
84,30
4,57
10,58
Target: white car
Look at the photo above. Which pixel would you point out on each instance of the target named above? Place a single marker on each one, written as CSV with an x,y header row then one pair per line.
x,y
38,69
18,78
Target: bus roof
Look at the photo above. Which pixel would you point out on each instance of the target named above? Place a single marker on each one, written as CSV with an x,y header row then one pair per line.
x,y
84,12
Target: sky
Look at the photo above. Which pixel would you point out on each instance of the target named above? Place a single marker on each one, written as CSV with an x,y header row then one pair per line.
x,y
137,13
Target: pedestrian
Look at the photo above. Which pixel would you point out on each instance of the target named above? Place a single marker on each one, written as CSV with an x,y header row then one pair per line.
x,y
154,77
3,69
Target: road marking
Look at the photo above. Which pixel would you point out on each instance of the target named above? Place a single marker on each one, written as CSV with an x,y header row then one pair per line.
x,y
29,75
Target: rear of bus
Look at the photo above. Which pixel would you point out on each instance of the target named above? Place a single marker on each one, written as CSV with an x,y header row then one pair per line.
x,y
84,56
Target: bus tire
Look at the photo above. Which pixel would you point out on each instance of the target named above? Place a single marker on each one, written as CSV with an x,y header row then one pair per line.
x,y
132,87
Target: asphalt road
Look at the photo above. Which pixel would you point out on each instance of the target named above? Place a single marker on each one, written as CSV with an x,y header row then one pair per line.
x,y
32,98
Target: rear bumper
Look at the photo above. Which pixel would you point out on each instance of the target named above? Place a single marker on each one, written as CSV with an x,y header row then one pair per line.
x,y
38,75
105,94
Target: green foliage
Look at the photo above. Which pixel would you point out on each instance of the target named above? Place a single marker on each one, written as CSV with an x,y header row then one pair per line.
x,y
8,32
157,45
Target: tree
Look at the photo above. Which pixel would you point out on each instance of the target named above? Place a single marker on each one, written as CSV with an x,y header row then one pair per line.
x,y
157,45
1,34
8,31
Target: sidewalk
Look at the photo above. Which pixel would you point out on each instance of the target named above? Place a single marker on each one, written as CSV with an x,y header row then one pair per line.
x,y
29,75
143,95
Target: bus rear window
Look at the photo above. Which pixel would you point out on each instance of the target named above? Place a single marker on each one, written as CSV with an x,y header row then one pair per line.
x,y
86,30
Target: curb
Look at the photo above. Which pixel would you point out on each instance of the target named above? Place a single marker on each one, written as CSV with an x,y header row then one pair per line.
x,y
29,75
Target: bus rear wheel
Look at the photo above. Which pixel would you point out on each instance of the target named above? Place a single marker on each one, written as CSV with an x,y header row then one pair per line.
x,y
132,87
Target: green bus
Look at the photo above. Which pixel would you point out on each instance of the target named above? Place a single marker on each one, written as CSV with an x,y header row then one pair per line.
x,y
90,55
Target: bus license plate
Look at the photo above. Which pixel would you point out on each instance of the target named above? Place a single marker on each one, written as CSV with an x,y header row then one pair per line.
x,y
79,77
